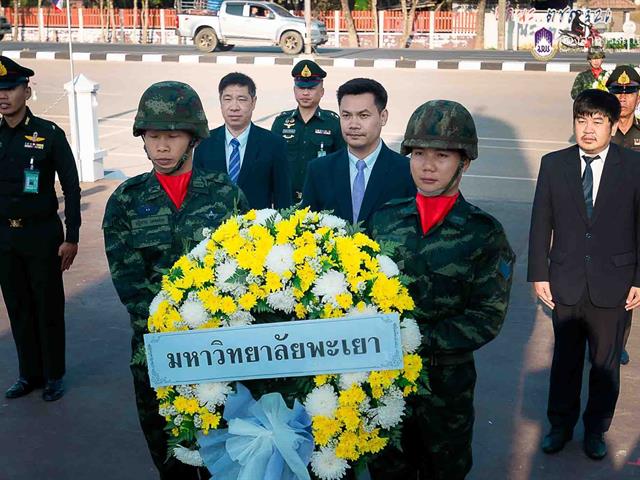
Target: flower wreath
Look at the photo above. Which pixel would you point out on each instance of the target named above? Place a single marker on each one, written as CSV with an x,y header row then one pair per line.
x,y
268,266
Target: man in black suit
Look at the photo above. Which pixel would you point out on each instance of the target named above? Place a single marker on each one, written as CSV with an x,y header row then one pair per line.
x,y
588,200
356,181
254,158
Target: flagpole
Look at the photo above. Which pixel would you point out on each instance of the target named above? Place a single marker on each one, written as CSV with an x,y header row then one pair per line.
x,y
74,123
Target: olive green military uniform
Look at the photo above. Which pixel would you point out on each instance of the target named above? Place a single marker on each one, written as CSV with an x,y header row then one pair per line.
x,y
631,139
318,137
586,80
144,235
31,154
462,271
625,79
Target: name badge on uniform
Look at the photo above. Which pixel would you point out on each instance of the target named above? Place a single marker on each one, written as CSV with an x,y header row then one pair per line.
x,y
321,152
320,131
31,180
636,142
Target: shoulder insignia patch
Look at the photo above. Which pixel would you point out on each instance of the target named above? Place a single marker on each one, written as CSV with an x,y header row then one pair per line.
x,y
505,269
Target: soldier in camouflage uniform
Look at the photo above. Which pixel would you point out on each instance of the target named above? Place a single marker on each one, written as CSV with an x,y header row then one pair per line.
x,y
309,131
154,218
461,263
594,77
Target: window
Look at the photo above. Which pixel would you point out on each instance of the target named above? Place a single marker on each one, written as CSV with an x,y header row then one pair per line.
x,y
235,9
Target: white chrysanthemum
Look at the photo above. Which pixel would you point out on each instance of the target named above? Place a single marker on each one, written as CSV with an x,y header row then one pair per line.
x,y
331,221
280,259
199,251
188,456
157,300
411,336
326,465
265,214
240,318
226,270
214,393
348,379
282,300
193,312
329,285
390,410
388,266
322,401
367,310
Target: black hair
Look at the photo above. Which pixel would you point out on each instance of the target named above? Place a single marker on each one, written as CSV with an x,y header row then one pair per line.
x,y
359,86
237,78
594,101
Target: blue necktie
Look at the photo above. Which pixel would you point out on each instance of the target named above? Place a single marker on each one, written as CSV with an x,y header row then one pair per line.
x,y
357,193
234,160
587,183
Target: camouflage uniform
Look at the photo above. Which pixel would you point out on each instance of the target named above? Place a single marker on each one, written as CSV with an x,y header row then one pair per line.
x,y
144,235
585,80
461,272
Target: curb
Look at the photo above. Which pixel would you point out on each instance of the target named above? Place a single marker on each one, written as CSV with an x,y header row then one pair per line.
x,y
466,65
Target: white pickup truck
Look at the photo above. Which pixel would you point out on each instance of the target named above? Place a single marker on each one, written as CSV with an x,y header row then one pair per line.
x,y
243,22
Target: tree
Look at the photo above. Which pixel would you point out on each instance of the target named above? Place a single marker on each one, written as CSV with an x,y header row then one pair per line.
x,y
351,26
482,9
502,15
145,21
374,15
16,19
408,19
135,19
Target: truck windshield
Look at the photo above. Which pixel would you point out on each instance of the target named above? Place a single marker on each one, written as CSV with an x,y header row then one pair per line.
x,y
280,10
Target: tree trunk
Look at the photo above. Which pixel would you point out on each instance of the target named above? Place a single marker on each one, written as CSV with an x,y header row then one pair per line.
x,y
502,15
16,19
408,19
351,26
374,15
145,20
482,8
112,19
135,20
39,29
102,22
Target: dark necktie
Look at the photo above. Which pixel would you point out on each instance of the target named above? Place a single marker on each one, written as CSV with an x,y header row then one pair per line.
x,y
234,160
587,183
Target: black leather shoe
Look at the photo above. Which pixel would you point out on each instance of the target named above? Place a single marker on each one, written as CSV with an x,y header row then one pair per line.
x,y
556,439
624,357
21,388
53,390
594,445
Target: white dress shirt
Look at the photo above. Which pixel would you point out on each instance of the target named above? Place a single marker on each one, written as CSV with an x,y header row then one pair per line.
x,y
242,138
596,167
370,160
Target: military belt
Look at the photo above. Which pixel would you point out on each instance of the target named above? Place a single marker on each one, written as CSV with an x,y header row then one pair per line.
x,y
447,359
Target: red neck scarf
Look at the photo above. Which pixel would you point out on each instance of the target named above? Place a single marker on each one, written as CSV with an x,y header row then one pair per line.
x,y
175,186
432,210
596,72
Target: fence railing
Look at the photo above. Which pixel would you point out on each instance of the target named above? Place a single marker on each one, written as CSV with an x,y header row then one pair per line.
x,y
456,22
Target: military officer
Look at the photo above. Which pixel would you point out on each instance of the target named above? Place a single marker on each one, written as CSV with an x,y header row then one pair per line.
x,y
34,249
154,218
309,131
461,263
594,77
624,83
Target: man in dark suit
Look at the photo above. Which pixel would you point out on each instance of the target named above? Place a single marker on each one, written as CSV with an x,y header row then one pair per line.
x,y
588,200
356,181
254,158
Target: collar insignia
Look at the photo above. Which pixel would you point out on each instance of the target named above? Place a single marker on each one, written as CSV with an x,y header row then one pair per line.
x,y
34,138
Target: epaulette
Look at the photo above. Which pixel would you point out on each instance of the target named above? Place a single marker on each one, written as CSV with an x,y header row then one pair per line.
x,y
333,114
483,217
133,181
285,113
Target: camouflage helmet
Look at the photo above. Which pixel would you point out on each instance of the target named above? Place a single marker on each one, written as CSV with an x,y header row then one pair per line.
x,y
171,106
442,124
595,53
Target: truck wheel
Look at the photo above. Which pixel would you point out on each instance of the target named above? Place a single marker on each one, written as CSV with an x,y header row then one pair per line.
x,y
206,40
225,48
291,43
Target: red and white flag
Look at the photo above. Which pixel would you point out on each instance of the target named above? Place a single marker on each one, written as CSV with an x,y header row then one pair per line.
x,y
58,4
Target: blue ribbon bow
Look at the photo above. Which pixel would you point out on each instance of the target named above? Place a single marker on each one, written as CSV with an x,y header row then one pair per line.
x,y
265,440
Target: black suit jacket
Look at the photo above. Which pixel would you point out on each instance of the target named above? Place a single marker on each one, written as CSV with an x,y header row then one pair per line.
x,y
327,184
599,254
264,175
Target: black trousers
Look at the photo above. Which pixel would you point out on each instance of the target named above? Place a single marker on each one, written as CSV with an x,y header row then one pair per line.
x,y
33,292
575,327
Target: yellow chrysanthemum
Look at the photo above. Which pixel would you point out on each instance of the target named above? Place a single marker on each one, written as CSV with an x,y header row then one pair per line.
x,y
186,405
209,421
247,301
163,392
345,300
250,215
353,396
347,446
412,367
324,429
349,417
301,312
322,379
228,306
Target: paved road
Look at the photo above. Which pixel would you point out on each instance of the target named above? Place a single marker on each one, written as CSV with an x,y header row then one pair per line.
x,y
93,432
361,53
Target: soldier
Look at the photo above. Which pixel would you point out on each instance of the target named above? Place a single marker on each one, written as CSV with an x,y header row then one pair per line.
x,y
309,131
35,251
154,218
461,262
594,77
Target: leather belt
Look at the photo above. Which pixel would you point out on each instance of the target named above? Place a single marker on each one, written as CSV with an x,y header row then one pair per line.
x,y
447,359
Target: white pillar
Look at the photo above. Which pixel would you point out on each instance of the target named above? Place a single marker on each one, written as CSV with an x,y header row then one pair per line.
x,y
336,28
380,28
86,145
432,27
80,25
163,33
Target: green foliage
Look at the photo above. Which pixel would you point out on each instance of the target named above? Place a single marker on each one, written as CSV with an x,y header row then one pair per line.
x,y
621,43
